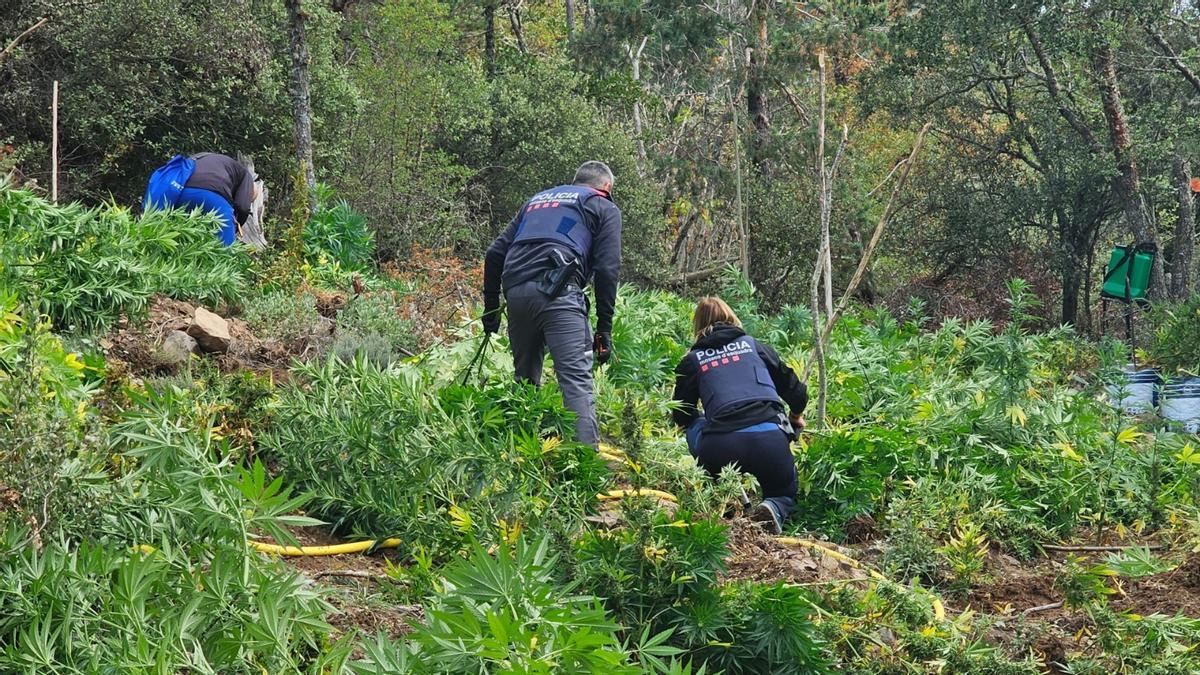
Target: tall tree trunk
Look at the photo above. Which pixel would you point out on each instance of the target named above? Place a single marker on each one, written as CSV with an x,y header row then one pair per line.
x,y
489,36
1127,183
570,19
518,28
1088,325
1185,230
866,290
635,64
301,103
1070,266
743,231
756,87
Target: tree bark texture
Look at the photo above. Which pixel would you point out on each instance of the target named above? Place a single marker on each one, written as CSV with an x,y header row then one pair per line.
x,y
1185,231
489,37
518,27
1055,91
756,87
1073,254
635,65
570,19
301,101
1127,184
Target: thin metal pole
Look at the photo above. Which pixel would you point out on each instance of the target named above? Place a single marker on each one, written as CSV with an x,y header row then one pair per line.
x,y
54,144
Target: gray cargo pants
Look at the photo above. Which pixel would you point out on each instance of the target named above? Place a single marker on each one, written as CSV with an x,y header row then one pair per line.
x,y
536,322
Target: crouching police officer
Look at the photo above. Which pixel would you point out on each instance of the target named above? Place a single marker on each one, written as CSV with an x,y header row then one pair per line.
x,y
739,382
561,239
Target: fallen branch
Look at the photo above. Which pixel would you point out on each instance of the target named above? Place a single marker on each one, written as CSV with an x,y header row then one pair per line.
x,y
1149,547
702,274
12,46
865,262
357,574
1042,608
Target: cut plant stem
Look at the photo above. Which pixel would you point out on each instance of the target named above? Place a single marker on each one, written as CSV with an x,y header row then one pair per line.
x,y
1150,547
1042,608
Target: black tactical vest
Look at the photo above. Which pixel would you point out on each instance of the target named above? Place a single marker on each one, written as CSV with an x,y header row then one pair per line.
x,y
557,215
732,375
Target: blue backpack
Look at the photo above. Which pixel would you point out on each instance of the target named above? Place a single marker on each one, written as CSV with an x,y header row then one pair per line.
x,y
167,181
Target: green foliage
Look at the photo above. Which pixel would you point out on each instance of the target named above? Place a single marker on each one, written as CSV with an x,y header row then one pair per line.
x,y
976,424
399,171
1175,346
51,460
35,363
1084,585
145,80
165,561
1156,644
662,572
386,453
966,553
371,324
286,316
509,611
337,232
651,564
856,622
60,608
85,267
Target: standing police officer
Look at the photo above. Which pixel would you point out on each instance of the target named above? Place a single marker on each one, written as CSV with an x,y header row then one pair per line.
x,y
561,239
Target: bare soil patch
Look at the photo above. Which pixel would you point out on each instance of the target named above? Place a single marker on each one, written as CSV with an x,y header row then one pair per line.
x,y
355,580
1061,635
134,344
755,555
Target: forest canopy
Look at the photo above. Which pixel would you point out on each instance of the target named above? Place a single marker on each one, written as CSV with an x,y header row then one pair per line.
x,y
1058,129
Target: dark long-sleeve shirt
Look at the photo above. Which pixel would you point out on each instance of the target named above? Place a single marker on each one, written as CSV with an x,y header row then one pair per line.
x,y
227,177
687,386
507,264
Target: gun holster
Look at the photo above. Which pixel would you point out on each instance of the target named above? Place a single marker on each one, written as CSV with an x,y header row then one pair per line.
x,y
562,272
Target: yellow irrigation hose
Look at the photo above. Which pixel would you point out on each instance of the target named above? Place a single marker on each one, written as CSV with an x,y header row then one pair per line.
x,y
644,492
605,448
337,549
611,458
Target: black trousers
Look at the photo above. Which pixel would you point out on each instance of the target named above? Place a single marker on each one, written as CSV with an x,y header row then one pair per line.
x,y
766,455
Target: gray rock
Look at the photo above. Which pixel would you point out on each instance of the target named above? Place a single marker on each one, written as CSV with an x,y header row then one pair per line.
x,y
324,328
175,349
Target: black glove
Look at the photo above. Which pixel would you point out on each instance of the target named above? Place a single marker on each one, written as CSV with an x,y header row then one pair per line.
x,y
491,314
602,346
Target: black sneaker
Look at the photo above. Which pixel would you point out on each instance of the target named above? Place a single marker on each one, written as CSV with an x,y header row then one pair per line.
x,y
768,514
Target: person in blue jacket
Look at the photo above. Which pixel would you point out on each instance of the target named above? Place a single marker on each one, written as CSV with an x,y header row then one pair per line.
x,y
221,185
560,240
741,385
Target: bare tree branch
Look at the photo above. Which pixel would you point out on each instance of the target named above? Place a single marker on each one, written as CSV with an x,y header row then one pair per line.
x,y
700,275
1056,93
12,46
1173,57
865,261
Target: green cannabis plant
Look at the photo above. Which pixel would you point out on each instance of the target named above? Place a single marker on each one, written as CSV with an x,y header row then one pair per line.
x,y
84,267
